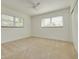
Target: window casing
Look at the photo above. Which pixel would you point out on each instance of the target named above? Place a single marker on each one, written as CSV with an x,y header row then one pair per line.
x,y
11,21
52,22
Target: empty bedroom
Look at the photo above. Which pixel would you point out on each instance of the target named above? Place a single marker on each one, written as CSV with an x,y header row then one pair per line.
x,y
39,29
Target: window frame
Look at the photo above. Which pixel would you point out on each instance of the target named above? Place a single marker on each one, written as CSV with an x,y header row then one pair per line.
x,y
51,21
13,22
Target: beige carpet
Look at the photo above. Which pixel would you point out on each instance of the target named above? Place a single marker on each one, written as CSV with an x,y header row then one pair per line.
x,y
37,48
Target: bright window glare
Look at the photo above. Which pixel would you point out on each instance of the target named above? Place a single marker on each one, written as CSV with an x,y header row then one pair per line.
x,y
45,22
10,21
6,17
52,22
57,21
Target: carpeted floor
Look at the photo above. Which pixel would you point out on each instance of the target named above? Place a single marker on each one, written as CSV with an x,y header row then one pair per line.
x,y
37,48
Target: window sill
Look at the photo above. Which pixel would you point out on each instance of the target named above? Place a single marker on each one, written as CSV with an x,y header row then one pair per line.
x,y
11,27
54,27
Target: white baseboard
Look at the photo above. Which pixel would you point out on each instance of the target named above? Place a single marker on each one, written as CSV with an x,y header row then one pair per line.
x,y
2,42
52,39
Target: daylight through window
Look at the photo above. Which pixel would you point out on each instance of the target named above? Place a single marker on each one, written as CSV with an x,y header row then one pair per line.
x,y
10,21
52,22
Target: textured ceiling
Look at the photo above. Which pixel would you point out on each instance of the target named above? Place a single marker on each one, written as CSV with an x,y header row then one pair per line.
x,y
25,6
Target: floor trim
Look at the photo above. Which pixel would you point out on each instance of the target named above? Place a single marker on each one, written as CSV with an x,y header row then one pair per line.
x,y
52,39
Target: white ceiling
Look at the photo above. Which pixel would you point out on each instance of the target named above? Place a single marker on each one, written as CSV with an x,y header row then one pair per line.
x,y
45,5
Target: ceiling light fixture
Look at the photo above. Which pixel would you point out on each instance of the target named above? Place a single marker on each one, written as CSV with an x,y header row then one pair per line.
x,y
36,5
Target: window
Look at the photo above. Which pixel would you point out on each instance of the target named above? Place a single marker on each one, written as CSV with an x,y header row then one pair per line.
x,y
52,22
18,22
7,20
10,21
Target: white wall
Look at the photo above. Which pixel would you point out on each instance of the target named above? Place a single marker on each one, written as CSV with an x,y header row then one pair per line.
x,y
75,27
11,34
52,33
